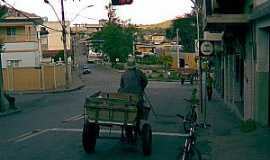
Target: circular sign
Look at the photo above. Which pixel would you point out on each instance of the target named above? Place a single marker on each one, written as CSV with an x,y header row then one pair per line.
x,y
206,48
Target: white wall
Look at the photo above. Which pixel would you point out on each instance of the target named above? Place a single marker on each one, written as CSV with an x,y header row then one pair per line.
x,y
26,59
26,53
21,46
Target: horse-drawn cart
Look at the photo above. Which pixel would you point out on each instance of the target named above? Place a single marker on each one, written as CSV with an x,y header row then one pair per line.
x,y
110,110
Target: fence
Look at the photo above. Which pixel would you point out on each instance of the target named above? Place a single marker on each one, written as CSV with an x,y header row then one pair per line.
x,y
46,77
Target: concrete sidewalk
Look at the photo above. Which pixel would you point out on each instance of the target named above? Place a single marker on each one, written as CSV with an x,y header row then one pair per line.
x,y
225,141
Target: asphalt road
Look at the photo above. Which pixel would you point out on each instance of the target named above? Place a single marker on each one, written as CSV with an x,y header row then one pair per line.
x,y
50,125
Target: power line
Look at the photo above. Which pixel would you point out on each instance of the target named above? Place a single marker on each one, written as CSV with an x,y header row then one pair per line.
x,y
29,18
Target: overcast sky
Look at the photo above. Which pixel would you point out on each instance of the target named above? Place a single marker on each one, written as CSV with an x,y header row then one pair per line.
x,y
140,12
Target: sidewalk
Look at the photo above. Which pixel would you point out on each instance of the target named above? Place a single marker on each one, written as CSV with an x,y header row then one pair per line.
x,y
227,142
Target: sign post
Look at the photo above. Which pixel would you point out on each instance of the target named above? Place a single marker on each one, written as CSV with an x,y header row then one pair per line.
x,y
206,49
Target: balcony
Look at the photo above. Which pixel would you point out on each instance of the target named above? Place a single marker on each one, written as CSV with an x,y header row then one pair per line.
x,y
220,13
18,38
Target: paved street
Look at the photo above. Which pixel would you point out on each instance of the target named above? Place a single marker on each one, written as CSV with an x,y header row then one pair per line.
x,y
50,125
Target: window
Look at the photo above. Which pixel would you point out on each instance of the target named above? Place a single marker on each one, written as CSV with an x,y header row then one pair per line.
x,y
11,31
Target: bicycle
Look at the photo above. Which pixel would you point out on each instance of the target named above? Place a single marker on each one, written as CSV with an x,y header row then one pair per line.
x,y
191,116
190,152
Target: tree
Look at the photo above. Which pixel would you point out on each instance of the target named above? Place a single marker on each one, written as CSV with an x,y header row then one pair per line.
x,y
187,32
3,10
117,41
167,61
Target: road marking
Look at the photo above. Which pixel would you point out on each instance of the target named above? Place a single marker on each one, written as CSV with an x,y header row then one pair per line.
x,y
27,135
118,132
73,118
37,132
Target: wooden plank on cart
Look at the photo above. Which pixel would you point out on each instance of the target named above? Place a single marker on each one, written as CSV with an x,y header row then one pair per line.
x,y
112,107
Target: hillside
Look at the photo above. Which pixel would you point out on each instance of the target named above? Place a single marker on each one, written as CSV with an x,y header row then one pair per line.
x,y
162,25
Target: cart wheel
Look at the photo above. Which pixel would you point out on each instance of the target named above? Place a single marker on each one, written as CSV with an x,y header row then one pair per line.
x,y
146,139
89,136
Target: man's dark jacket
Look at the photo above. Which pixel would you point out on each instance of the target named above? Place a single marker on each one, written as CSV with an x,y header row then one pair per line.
x,y
133,81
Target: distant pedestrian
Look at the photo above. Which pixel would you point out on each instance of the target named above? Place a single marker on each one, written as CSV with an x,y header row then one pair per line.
x,y
209,86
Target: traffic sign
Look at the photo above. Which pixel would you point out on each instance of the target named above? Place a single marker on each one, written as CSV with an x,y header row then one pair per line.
x,y
206,48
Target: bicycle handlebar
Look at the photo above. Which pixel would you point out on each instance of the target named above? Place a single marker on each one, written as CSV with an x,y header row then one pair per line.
x,y
180,116
200,125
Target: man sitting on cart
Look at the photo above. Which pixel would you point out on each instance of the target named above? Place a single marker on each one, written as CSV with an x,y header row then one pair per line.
x,y
134,81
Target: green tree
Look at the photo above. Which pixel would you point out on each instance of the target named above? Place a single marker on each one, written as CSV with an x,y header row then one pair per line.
x,y
187,32
117,41
3,10
166,61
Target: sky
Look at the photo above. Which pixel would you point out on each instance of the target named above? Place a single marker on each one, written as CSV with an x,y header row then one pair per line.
x,y
140,12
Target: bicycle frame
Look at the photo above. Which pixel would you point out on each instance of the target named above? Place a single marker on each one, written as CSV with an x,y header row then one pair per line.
x,y
189,142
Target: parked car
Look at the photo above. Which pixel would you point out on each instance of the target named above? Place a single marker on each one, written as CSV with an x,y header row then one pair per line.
x,y
86,70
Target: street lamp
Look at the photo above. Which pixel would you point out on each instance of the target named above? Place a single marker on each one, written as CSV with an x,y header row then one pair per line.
x,y
63,24
46,1
64,34
89,6
197,6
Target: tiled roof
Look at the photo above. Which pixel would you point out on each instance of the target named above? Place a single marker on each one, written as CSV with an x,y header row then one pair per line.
x,y
11,12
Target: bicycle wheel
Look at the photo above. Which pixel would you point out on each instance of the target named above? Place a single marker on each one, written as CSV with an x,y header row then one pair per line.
x,y
194,154
190,117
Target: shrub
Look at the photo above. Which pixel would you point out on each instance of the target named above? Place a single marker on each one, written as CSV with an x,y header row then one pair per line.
x,y
161,75
119,66
174,75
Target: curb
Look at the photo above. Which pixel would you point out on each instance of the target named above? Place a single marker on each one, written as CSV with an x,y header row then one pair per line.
x,y
51,92
156,80
9,112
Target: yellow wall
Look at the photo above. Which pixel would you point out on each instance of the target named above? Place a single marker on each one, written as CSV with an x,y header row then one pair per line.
x,y
190,60
158,38
23,33
31,79
55,37
143,49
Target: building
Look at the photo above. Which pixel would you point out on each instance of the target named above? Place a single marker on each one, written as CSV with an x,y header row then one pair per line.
x,y
242,65
20,32
158,38
80,38
52,44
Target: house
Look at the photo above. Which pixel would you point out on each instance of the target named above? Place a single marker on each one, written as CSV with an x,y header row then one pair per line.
x,y
80,38
158,38
20,33
53,43
242,65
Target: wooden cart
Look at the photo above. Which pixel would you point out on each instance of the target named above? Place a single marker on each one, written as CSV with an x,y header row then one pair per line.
x,y
112,110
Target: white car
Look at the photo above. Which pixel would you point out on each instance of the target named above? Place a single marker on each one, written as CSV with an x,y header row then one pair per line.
x,y
86,70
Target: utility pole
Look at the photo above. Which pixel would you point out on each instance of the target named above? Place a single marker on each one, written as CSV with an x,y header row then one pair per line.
x,y
177,47
64,34
3,101
200,59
